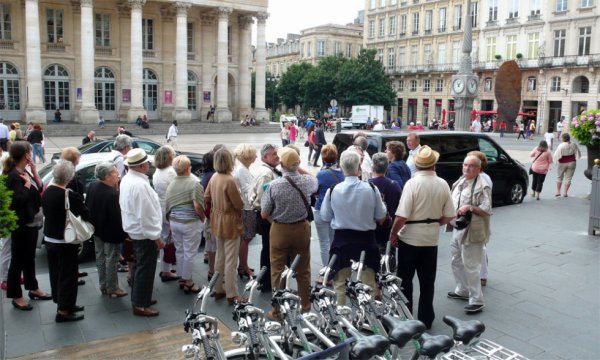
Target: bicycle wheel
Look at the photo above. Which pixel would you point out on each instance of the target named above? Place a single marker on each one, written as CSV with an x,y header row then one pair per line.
x,y
242,354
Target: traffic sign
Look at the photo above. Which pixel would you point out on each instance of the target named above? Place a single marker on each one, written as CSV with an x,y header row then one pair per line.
x,y
333,103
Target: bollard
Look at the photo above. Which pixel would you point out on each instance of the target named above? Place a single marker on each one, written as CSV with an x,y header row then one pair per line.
x,y
594,223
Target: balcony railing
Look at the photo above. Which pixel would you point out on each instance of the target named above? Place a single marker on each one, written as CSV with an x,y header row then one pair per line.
x,y
150,54
103,51
491,23
56,47
456,27
7,44
191,56
442,29
535,17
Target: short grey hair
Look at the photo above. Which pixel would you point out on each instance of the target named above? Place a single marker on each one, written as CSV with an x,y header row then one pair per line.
x,y
380,163
63,172
362,142
103,170
350,162
264,150
122,141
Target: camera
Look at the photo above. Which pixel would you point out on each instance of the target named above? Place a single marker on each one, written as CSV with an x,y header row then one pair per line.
x,y
463,221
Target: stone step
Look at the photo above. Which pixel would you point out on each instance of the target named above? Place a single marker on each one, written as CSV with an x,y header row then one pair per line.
x,y
156,128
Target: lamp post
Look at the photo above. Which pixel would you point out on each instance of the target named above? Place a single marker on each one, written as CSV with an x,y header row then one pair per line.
x,y
272,79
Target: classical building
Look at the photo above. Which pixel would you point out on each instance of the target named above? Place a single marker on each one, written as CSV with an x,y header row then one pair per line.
x,y
123,58
420,44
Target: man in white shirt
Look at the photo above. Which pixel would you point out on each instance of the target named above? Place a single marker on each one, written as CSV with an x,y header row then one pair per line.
x,y
413,142
172,135
142,221
476,126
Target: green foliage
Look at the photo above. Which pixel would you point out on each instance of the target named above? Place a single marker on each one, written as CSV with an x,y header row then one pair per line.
x,y
586,127
289,88
320,84
8,218
271,96
253,91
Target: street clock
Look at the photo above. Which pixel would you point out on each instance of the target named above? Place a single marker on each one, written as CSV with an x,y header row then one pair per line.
x,y
458,86
472,86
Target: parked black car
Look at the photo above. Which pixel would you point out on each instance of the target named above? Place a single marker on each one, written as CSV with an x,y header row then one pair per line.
x,y
508,175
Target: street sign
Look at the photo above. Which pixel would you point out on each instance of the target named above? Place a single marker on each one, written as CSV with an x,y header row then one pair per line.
x,y
333,103
332,109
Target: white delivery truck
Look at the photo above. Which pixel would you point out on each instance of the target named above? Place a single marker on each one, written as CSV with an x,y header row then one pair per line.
x,y
287,118
362,113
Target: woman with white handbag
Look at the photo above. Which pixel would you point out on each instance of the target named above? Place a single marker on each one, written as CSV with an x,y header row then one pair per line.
x,y
62,255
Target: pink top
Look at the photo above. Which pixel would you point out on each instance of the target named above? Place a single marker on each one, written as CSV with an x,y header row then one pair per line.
x,y
541,165
293,133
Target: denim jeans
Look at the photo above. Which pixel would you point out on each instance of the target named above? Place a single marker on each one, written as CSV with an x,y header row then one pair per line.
x,y
325,234
39,151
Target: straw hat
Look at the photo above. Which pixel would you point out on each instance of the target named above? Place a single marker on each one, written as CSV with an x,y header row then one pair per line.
x,y
426,157
136,157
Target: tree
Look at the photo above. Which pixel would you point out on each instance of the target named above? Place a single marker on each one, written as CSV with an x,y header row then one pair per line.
x,y
320,84
8,218
289,88
363,81
271,96
253,91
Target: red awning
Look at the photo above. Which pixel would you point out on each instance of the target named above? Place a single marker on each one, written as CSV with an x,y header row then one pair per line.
x,y
487,112
530,114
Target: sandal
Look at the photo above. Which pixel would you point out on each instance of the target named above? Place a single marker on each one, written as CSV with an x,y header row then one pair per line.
x,y
188,289
118,293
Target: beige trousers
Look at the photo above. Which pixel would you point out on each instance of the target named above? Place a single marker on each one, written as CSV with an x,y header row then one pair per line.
x,y
228,251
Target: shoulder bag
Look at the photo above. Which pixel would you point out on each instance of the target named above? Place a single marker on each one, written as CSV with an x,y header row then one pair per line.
x,y
531,167
309,214
77,230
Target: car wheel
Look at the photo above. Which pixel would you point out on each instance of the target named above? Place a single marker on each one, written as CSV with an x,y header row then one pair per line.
x,y
86,251
516,193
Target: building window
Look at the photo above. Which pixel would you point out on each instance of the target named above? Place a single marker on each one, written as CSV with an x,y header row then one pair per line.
x,y
192,91
493,10
380,55
400,85
381,27
585,37
473,13
513,9
414,50
403,24
457,23
9,87
534,7
442,19
561,5
54,26
338,48
490,52
5,22
372,4
413,85
393,2
587,3
555,84
391,58
427,54
309,49
150,90
559,42
455,52
441,50
148,34
426,85
104,89
320,48
381,3
190,37
439,85
531,83
488,84
102,29
349,50
511,46
428,21
401,57
371,28
415,23
392,25
56,88
533,45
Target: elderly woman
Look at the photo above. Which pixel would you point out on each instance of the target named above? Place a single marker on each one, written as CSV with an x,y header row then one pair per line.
x,y
62,257
184,206
471,194
329,175
397,170
163,176
26,188
102,200
123,143
566,156
73,155
245,155
226,223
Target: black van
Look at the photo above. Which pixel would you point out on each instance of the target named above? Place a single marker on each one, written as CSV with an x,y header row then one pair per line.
x,y
509,176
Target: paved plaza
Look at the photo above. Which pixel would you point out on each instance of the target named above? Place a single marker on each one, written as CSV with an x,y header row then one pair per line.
x,y
542,297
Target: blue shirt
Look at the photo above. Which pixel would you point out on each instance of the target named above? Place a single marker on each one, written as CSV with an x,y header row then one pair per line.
x,y
326,179
355,205
308,124
399,172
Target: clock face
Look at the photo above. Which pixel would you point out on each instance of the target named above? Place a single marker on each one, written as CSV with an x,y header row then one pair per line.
x,y
458,85
472,87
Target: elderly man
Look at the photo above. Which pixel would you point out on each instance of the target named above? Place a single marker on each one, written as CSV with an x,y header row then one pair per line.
x,y
287,202
425,204
355,229
390,194
90,137
413,142
142,219
123,143
267,172
366,164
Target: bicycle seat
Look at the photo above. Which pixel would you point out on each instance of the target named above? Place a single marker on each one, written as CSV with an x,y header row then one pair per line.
x,y
432,345
369,346
402,331
464,330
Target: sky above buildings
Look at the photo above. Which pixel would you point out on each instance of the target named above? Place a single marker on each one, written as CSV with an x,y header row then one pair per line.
x,y
291,16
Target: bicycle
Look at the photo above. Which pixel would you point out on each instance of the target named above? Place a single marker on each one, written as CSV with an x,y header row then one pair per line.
x,y
391,288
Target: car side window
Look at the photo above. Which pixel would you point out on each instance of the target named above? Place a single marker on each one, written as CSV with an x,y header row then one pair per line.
x,y
149,148
87,175
108,147
455,148
488,149
372,148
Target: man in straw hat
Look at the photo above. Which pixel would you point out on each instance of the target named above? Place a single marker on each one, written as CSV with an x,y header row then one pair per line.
x,y
142,221
426,203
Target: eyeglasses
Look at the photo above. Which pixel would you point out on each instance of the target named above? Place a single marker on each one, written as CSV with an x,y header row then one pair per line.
x,y
470,166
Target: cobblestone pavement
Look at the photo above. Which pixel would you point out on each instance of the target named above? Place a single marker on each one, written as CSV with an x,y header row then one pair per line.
x,y
542,297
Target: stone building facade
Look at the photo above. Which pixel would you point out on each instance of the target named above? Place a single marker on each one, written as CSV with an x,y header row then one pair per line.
x,y
123,58
420,44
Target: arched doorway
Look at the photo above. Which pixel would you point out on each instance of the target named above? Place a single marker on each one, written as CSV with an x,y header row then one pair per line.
x,y
104,93
150,93
57,92
10,101
192,94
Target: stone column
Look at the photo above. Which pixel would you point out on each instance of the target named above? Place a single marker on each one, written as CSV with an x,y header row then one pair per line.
x,y
245,82
208,59
259,111
137,61
88,113
181,112
223,113
34,110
